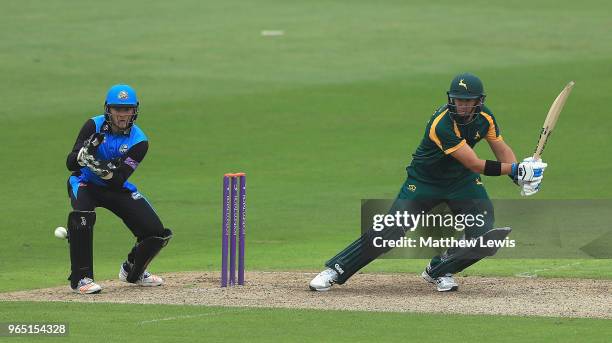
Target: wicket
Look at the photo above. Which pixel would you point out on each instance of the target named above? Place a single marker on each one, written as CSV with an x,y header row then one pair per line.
x,y
234,212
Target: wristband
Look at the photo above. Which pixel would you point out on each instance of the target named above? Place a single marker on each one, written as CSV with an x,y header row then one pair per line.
x,y
492,168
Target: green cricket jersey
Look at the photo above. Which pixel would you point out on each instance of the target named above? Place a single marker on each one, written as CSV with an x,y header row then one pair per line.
x,y
432,162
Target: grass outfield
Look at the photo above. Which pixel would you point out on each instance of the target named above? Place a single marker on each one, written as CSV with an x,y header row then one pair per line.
x,y
327,115
319,118
119,322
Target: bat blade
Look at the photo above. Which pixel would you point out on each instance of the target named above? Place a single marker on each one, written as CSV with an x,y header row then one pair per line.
x,y
551,119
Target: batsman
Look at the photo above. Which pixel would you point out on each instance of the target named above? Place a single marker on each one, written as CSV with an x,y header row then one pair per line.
x,y
108,149
445,169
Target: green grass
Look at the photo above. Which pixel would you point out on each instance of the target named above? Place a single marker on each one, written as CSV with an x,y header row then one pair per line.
x,y
169,323
319,118
327,115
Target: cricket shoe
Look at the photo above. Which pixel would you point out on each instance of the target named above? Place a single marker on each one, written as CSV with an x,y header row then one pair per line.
x,y
146,279
444,283
324,280
87,286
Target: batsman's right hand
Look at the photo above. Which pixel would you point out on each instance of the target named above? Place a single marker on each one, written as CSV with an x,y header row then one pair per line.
x,y
86,156
530,188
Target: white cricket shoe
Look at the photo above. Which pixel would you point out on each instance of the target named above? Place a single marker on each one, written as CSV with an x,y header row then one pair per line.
x,y
146,279
324,280
87,286
444,283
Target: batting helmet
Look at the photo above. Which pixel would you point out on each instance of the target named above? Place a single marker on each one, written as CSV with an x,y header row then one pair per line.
x,y
465,86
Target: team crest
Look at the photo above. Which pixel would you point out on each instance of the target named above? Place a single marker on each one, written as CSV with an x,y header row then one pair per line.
x,y
412,188
136,196
123,95
123,148
462,84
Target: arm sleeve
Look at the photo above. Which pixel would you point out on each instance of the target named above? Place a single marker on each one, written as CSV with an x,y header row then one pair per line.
x,y
88,129
128,164
493,133
446,135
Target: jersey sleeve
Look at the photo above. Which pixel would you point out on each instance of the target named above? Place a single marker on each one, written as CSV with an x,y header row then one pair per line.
x,y
445,134
88,129
493,132
128,164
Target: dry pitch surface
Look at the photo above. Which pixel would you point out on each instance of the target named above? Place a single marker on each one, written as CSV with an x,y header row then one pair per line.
x,y
364,292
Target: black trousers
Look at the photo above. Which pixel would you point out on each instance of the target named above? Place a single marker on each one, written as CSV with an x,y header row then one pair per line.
x,y
135,211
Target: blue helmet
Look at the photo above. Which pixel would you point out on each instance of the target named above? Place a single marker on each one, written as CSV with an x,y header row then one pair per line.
x,y
121,96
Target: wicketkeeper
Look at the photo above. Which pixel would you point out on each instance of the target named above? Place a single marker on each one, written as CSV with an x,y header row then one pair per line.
x,y
445,169
107,151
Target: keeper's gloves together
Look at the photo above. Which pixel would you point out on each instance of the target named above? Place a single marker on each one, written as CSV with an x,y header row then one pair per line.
x,y
86,157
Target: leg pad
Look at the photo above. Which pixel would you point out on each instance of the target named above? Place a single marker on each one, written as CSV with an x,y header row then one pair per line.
x,y
80,239
361,252
455,260
144,252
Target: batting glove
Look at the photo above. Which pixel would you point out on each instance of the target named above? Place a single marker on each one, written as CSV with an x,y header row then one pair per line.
x,y
527,171
531,188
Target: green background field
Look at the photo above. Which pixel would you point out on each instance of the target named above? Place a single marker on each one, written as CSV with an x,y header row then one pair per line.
x,y
319,118
171,323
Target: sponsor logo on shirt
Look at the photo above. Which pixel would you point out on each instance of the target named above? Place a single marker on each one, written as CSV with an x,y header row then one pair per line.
x,y
132,163
123,148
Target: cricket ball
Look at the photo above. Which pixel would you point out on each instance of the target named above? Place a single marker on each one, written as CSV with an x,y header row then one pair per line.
x,y
60,232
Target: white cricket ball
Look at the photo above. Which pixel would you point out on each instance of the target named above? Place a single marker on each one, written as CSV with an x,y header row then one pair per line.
x,y
61,232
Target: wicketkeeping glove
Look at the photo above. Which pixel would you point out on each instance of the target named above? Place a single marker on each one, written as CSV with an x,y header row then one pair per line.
x,y
86,155
105,169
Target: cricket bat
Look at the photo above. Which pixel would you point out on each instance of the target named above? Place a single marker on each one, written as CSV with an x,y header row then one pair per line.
x,y
551,119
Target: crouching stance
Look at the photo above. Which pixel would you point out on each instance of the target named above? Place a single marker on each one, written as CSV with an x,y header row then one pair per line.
x,y
107,151
445,169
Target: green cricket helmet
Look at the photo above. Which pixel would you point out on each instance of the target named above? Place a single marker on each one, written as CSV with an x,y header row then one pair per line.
x,y
465,86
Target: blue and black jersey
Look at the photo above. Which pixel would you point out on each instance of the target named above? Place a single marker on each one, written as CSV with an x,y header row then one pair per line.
x,y
129,149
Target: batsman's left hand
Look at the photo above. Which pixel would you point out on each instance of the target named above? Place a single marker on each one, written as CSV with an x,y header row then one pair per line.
x,y
529,188
530,170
